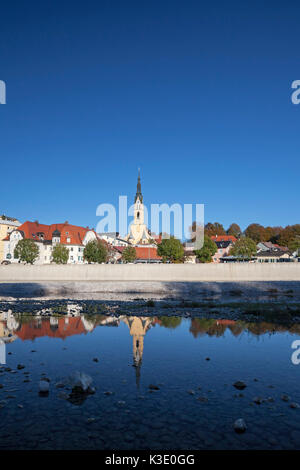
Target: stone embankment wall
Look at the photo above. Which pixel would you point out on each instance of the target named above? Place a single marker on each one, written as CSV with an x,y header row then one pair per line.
x,y
158,272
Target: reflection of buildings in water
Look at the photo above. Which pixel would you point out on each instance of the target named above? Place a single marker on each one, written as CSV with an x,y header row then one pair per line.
x,y
53,327
138,327
74,309
8,325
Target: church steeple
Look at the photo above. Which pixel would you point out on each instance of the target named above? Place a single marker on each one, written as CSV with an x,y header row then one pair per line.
x,y
139,190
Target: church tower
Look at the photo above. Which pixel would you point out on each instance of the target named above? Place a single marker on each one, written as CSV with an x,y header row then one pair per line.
x,y
138,230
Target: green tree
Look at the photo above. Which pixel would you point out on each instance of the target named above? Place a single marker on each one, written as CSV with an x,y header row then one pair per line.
x,y
234,230
27,251
294,245
129,254
208,250
60,254
170,322
171,249
95,251
244,248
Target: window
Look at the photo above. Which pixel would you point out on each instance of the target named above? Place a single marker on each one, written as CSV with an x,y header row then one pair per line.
x,y
68,240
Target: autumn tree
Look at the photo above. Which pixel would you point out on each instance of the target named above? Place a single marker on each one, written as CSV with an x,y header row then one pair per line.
x,y
214,229
208,250
26,251
256,232
289,233
234,230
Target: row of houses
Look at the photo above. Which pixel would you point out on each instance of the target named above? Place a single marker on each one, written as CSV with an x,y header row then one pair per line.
x,y
267,252
73,237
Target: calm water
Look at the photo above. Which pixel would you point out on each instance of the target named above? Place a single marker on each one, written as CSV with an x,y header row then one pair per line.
x,y
195,406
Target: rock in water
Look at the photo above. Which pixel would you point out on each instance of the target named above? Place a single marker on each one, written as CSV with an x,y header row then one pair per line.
x,y
294,405
240,426
153,387
43,387
80,380
285,397
258,400
240,385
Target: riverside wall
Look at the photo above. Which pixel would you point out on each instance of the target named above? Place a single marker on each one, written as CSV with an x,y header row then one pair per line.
x,y
229,272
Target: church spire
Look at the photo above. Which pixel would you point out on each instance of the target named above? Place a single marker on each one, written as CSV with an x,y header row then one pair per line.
x,y
139,189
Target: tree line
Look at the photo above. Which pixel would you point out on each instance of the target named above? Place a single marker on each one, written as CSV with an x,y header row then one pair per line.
x,y
95,251
283,236
171,250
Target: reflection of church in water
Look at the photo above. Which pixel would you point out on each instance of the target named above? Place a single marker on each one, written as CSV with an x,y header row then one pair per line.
x,y
74,324
138,327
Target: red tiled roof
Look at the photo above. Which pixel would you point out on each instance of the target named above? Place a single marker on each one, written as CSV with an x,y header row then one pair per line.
x,y
282,248
224,238
142,252
74,232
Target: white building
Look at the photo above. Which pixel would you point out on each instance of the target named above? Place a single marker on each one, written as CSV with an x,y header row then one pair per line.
x,y
46,237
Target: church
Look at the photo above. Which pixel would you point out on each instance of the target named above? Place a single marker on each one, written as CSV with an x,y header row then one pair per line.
x,y
138,234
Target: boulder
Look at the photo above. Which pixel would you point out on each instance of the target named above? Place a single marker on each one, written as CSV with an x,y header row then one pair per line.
x,y
294,405
43,387
240,385
240,426
80,381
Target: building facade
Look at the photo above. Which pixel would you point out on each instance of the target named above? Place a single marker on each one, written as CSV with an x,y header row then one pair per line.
x,y
7,225
47,237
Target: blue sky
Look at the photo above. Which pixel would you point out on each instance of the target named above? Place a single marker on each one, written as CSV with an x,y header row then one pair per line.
x,y
196,94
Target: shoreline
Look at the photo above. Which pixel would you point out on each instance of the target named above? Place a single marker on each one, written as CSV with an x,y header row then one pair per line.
x,y
217,291
247,301
234,300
